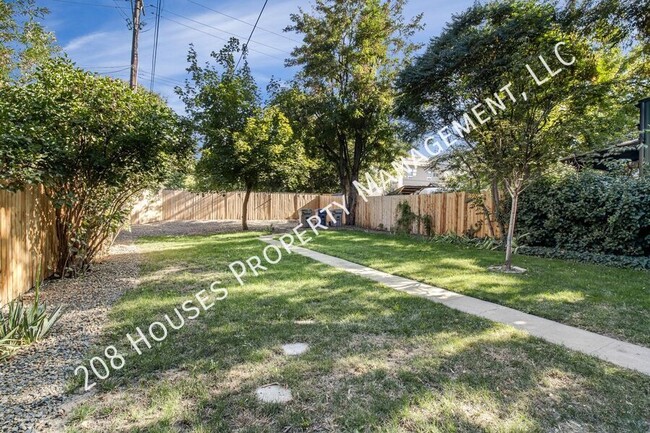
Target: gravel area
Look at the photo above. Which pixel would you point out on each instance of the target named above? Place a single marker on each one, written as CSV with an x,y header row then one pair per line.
x,y
33,382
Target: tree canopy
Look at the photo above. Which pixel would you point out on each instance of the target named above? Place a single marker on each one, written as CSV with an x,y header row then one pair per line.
x,y
24,43
351,54
492,51
244,144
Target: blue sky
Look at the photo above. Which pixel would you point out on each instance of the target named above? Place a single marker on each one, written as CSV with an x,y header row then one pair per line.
x,y
94,34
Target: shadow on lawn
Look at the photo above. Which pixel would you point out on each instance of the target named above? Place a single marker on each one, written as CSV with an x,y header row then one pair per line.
x,y
379,360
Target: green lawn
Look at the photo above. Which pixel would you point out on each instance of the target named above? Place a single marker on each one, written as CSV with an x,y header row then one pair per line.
x,y
606,300
380,360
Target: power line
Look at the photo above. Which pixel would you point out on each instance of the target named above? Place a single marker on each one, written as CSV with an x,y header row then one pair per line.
x,y
198,22
160,79
245,22
245,47
124,15
164,77
113,72
225,31
215,36
102,67
154,57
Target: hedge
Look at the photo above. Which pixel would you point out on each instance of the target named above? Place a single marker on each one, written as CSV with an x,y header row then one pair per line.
x,y
641,263
587,213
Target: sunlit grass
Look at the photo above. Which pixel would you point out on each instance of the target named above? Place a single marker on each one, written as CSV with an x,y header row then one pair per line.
x,y
606,300
379,360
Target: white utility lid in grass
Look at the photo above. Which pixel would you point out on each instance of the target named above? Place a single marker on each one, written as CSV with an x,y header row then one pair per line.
x,y
274,394
295,349
304,322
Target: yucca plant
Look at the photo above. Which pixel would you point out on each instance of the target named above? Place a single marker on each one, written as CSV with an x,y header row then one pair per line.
x,y
25,324
33,321
8,344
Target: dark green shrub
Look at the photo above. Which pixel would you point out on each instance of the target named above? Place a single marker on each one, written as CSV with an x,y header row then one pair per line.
x,y
95,144
599,259
588,212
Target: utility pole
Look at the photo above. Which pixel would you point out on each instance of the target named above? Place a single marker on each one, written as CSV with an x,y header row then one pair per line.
x,y
137,8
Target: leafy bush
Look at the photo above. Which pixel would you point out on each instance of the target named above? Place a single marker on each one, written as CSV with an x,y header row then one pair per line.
x,y
588,212
95,144
427,222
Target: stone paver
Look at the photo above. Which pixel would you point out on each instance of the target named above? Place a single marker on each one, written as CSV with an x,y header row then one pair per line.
x,y
617,352
274,394
295,349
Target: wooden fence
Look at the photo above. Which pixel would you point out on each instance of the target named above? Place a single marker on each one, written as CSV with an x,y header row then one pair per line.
x,y
28,235
450,213
27,240
174,205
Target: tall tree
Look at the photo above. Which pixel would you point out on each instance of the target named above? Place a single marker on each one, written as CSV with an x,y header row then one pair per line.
x,y
244,145
267,156
320,175
351,54
622,79
486,52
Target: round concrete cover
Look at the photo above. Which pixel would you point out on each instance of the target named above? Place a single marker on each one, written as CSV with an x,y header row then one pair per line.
x,y
295,349
274,394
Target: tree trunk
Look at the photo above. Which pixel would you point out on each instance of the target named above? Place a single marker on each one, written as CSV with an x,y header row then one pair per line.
x,y
514,193
488,217
62,243
349,192
244,211
497,208
351,204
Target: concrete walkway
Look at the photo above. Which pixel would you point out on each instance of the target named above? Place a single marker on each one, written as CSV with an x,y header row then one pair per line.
x,y
609,349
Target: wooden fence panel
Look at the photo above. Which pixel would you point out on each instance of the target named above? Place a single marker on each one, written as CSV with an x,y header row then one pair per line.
x,y
450,213
174,205
27,240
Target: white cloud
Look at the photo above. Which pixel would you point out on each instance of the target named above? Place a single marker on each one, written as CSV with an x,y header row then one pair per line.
x,y
83,41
